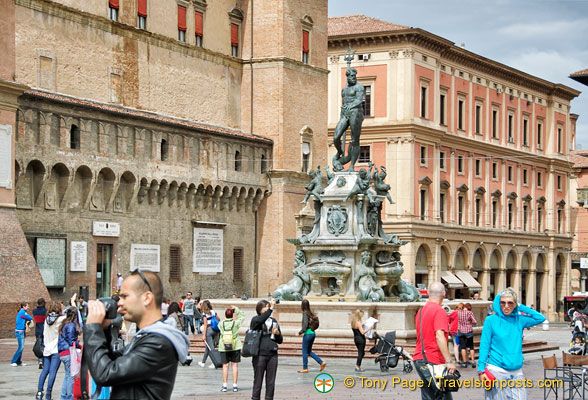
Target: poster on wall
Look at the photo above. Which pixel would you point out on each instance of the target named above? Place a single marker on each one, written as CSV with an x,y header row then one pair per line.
x,y
6,156
50,257
145,257
208,250
78,257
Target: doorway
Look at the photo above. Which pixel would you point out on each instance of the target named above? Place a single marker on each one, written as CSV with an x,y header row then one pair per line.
x,y
103,268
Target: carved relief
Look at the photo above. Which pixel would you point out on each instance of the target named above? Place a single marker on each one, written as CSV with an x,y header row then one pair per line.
x,y
337,220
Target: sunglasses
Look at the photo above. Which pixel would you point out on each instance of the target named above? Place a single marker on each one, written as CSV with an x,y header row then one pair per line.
x,y
138,272
507,303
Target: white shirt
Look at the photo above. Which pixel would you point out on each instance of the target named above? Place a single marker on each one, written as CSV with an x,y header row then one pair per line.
x,y
51,336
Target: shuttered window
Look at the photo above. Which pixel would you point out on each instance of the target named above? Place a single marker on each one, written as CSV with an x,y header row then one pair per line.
x,y
181,18
234,35
198,22
238,264
175,264
305,41
113,4
142,8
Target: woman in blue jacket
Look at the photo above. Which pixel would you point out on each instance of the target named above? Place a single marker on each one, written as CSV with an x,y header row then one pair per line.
x,y
68,337
501,346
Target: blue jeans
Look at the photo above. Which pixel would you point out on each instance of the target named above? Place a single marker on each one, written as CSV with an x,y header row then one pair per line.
x,y
68,380
188,323
50,367
20,337
307,342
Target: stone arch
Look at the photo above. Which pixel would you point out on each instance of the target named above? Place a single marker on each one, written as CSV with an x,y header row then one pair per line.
x,y
57,186
126,189
102,190
444,258
460,259
81,187
478,260
541,277
162,191
30,188
495,266
560,283
511,267
526,287
421,265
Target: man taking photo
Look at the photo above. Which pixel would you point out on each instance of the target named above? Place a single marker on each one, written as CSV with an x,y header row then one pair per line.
x,y
146,368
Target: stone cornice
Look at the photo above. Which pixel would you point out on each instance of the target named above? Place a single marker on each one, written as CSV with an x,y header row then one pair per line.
x,y
289,63
448,51
9,93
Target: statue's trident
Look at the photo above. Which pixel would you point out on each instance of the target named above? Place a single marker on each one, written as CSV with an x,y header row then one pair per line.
x,y
349,57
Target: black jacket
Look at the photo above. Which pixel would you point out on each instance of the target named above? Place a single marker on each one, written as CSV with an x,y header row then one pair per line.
x,y
145,371
267,346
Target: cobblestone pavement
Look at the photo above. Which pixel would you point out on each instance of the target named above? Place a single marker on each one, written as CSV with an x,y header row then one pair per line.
x,y
203,383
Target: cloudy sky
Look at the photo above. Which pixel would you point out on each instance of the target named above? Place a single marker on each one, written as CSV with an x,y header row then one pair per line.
x,y
545,38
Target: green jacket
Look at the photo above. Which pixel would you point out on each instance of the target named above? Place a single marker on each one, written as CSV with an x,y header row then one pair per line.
x,y
235,322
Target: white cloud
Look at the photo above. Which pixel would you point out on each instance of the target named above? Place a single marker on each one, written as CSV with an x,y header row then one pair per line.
x,y
546,64
546,29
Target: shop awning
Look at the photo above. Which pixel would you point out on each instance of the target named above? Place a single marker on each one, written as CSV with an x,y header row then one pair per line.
x,y
452,281
470,282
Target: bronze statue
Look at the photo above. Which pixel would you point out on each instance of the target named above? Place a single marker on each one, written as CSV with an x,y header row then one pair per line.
x,y
365,279
362,184
315,187
299,285
351,117
382,188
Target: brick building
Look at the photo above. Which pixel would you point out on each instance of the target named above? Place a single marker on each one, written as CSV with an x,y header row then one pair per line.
x,y
477,156
148,132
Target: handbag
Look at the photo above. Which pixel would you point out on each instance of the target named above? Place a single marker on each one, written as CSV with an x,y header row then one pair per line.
x,y
75,357
442,379
251,343
38,347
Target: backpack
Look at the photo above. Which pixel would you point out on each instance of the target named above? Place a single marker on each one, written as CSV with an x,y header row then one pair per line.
x,y
229,341
213,322
313,324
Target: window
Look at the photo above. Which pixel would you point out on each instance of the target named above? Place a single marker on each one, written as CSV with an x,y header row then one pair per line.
x,y
113,10
540,135
460,164
442,160
539,179
478,211
559,220
263,164
423,204
442,109
478,167
442,207
423,102
142,14
525,132
460,210
182,23
423,155
525,177
175,264
509,173
460,121
164,150
559,140
367,101
364,154
238,264
305,156
559,182
478,118
510,137
525,216
199,27
494,170
238,161
510,215
494,213
495,123
539,217
235,40
74,137
305,46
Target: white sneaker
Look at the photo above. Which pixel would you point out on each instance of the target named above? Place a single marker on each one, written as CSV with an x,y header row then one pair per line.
x,y
211,366
224,388
23,364
201,364
14,364
235,388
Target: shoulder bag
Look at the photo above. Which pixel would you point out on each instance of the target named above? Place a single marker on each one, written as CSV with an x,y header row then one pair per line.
x,y
251,343
442,379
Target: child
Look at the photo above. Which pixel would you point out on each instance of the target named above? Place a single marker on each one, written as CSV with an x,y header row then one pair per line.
x,y
577,346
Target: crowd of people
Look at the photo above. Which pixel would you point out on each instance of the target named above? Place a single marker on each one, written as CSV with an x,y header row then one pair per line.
x,y
156,325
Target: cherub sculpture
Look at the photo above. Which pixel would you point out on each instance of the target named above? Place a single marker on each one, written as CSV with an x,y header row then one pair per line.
x,y
362,184
315,187
382,188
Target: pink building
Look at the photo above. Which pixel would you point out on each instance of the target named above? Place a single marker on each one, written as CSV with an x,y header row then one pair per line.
x,y
477,156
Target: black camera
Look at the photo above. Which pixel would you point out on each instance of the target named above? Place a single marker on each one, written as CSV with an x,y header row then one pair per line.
x,y
110,306
277,301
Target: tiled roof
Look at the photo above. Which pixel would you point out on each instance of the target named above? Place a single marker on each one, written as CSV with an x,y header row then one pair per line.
x,y
357,24
147,115
579,158
583,72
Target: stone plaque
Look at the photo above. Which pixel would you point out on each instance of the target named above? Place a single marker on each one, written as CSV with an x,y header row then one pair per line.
x,y
106,229
78,257
50,257
145,257
208,250
6,156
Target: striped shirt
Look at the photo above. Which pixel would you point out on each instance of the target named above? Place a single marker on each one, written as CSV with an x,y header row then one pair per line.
x,y
465,320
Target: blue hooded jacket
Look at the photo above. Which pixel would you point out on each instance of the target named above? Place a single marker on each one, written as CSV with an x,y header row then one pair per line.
x,y
502,336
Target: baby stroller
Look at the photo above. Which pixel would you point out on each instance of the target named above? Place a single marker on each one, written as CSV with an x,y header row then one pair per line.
x,y
389,353
578,347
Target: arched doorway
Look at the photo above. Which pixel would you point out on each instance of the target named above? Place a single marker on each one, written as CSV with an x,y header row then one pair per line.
x,y
539,284
421,270
525,288
478,267
559,283
460,265
511,263
494,266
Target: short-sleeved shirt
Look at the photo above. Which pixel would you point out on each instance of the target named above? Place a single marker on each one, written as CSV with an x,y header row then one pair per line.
x,y
189,307
466,319
434,319
453,323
